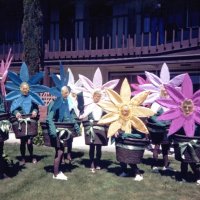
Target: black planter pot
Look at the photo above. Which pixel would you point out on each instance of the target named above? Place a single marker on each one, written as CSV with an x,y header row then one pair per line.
x,y
4,136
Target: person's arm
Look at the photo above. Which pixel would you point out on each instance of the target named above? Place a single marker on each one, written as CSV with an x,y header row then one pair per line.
x,y
50,122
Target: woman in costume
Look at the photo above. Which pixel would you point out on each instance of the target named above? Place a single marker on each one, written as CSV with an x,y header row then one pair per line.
x,y
93,92
25,101
123,113
184,114
61,110
158,129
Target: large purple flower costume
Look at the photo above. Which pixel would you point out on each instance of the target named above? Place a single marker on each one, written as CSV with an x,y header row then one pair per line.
x,y
184,108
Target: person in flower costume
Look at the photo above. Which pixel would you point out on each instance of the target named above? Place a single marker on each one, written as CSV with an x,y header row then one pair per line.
x,y
25,100
184,114
61,110
93,92
123,115
158,129
4,123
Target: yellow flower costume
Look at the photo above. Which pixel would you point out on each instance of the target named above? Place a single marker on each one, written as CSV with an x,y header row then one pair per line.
x,y
123,112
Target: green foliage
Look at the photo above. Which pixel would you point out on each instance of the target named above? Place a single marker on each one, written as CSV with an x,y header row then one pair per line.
x,y
38,140
32,34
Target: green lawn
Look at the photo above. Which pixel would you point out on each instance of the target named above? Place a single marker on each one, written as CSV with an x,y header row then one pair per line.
x,y
35,181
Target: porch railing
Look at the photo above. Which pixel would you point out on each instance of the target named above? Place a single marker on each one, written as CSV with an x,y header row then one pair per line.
x,y
117,46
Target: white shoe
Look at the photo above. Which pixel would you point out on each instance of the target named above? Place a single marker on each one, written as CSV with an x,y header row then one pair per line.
x,y
198,182
138,177
60,176
155,170
168,169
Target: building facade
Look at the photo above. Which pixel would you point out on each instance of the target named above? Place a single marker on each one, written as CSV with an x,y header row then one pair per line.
x,y
122,37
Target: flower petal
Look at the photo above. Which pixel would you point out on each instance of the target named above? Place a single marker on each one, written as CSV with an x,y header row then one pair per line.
x,y
88,109
164,73
39,88
11,86
97,112
197,116
152,78
24,75
140,80
151,98
196,96
125,91
139,125
56,81
55,92
149,87
108,106
13,95
126,126
171,114
71,77
110,84
113,128
189,126
139,111
14,78
36,98
36,78
176,125
139,98
177,80
108,118
114,97
174,94
87,83
187,87
168,103
97,79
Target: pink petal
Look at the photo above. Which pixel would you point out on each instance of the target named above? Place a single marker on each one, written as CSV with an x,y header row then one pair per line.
x,y
196,96
164,73
155,80
189,126
149,87
168,103
171,114
174,94
140,80
135,92
176,125
187,87
197,116
110,84
177,80
97,79
86,83
135,86
151,98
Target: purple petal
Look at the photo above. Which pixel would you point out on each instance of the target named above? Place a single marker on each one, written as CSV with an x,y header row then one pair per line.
x,y
189,126
177,80
197,116
171,114
110,84
135,86
196,96
86,83
153,79
149,87
176,125
168,103
97,79
174,94
140,80
187,87
164,73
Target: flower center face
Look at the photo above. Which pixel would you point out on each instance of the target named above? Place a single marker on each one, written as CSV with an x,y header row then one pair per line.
x,y
65,92
187,107
125,112
163,92
24,88
96,97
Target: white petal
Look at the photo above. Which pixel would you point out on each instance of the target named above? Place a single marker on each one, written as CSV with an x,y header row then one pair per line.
x,y
164,73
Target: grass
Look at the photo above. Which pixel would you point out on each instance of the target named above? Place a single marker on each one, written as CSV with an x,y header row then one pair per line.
x,y
35,181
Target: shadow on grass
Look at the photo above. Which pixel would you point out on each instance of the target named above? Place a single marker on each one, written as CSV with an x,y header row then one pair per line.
x,y
103,163
150,162
28,158
13,169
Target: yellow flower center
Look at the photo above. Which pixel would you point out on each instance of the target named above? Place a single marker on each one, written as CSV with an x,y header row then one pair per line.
x,y
24,88
97,96
125,112
187,107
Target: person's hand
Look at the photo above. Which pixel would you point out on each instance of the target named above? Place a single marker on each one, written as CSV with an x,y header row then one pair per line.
x,y
82,116
34,114
116,134
18,115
